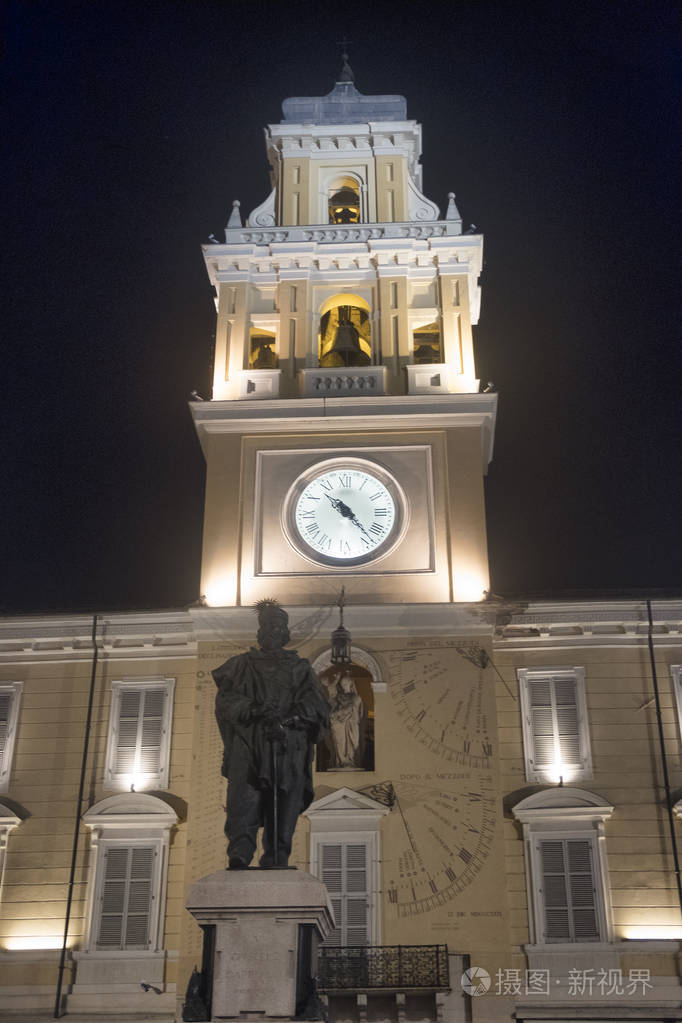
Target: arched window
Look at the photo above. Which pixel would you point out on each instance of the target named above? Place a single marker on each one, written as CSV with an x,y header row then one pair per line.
x,y
344,338
427,344
343,201
349,746
262,349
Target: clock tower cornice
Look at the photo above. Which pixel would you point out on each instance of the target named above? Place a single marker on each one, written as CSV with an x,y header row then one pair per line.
x,y
329,415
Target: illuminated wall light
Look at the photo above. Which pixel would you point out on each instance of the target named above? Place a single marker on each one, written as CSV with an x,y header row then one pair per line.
x,y
220,592
470,586
559,773
34,943
135,782
653,933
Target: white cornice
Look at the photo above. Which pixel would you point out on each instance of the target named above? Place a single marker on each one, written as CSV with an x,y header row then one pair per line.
x,y
579,624
237,624
386,412
157,634
281,246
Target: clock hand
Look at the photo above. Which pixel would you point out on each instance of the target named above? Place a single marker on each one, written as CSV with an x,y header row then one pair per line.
x,y
356,522
407,829
347,513
340,507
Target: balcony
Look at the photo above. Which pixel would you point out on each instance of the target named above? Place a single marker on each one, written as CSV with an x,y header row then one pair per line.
x,y
383,968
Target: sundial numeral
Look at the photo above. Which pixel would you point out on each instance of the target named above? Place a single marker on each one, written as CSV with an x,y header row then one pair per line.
x,y
487,749
450,874
475,797
421,715
433,886
410,687
465,855
392,894
466,745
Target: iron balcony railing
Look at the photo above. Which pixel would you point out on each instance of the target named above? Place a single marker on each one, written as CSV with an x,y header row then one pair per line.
x,y
399,967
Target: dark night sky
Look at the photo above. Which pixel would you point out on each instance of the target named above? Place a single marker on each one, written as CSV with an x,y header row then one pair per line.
x,y
130,127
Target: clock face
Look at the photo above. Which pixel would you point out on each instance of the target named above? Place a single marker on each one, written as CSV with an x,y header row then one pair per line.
x,y
344,512
439,709
422,873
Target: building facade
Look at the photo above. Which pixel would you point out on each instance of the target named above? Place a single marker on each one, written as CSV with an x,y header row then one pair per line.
x,y
495,812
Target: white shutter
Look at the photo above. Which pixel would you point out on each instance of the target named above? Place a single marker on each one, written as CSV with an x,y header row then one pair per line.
x,y
542,723
125,902
6,698
568,890
140,730
344,870
554,722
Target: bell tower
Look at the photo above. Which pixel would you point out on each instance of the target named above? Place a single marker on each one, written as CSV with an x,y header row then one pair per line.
x,y
344,369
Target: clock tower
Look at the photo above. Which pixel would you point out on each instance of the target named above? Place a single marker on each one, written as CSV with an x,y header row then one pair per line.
x,y
346,440
346,443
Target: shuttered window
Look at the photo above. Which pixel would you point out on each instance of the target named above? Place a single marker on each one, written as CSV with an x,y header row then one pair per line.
x,y
344,869
9,711
555,730
139,735
126,897
568,890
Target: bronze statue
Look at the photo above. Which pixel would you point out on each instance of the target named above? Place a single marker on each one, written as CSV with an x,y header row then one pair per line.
x,y
271,711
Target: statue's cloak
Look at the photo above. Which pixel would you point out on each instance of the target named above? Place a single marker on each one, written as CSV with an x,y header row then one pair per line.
x,y
253,680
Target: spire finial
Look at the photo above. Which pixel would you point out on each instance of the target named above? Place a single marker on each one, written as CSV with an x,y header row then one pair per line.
x,y
346,74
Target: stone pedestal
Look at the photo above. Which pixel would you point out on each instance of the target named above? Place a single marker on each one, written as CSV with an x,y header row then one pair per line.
x,y
260,919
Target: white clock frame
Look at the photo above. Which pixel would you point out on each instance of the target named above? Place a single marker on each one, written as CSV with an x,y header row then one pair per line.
x,y
329,467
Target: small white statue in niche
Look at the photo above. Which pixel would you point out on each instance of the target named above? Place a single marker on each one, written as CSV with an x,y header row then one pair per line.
x,y
347,725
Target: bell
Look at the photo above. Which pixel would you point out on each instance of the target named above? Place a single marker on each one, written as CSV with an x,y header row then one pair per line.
x,y
345,350
266,358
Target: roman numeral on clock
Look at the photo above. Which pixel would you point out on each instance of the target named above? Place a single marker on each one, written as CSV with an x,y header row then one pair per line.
x,y
345,480
377,529
380,512
308,515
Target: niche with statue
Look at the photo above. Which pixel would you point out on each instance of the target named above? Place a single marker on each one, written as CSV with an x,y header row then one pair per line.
x,y
349,744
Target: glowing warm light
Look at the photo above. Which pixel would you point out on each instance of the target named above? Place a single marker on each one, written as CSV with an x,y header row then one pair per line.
x,y
135,782
34,943
649,933
470,586
219,592
559,773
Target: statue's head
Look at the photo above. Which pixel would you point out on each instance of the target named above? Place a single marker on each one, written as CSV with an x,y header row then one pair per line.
x,y
273,625
346,683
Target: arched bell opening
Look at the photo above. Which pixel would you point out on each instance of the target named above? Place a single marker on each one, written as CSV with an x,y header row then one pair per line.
x,y
426,343
343,201
262,349
349,744
345,335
